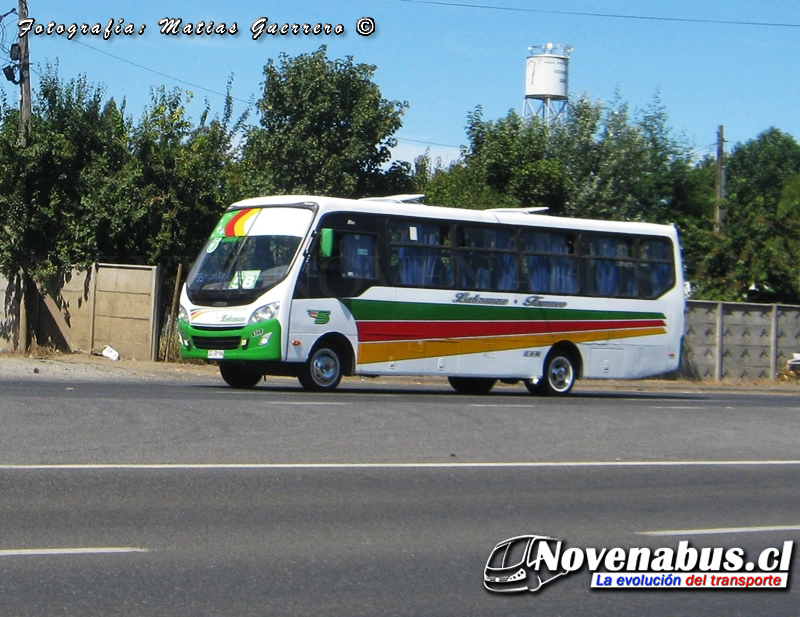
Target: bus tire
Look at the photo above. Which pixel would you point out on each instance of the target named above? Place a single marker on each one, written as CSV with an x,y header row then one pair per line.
x,y
238,376
472,385
560,373
323,370
535,387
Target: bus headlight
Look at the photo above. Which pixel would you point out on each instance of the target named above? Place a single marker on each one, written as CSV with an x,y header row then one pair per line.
x,y
183,315
518,576
265,313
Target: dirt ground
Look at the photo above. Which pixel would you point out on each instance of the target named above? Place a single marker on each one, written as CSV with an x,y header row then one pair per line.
x,y
80,366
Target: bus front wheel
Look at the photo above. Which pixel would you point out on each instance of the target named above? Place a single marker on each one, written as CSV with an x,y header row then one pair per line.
x,y
472,385
237,376
323,371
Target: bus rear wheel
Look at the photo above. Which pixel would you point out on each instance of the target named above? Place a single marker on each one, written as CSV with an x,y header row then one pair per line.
x,y
238,376
472,385
535,387
323,371
560,373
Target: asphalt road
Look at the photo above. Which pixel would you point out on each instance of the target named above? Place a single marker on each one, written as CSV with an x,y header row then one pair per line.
x,y
183,497
200,420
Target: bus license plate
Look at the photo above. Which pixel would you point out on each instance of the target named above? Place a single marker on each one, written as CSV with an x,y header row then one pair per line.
x,y
216,354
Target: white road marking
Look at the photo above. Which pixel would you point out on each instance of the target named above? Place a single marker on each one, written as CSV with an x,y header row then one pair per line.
x,y
506,465
680,407
499,405
719,530
107,550
326,404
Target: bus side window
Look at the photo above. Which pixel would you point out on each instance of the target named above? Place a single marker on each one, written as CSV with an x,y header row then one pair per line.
x,y
550,262
357,256
656,271
609,266
474,271
354,256
420,254
487,259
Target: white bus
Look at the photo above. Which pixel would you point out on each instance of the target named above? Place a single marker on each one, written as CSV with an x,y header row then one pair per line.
x,y
318,288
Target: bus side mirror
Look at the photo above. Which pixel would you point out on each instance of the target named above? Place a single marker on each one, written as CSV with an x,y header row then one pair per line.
x,y
326,243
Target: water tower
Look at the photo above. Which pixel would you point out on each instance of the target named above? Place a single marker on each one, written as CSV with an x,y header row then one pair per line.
x,y
546,78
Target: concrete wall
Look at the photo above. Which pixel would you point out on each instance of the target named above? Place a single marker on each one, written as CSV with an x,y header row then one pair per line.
x,y
126,310
111,304
9,313
733,340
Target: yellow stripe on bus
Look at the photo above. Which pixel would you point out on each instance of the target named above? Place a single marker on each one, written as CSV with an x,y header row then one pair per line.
x,y
416,349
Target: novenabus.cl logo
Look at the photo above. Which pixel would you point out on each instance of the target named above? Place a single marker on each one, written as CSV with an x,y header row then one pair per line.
x,y
516,564
526,563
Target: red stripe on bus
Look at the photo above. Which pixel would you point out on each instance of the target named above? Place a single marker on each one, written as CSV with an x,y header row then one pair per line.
x,y
374,331
230,228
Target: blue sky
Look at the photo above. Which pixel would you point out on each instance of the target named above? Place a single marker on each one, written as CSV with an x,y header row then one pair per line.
x,y
445,57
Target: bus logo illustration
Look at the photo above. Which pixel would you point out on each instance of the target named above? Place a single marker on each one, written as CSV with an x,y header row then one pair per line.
x,y
320,317
516,565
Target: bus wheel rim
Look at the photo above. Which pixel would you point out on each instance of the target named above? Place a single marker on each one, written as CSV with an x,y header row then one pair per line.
x,y
325,368
560,374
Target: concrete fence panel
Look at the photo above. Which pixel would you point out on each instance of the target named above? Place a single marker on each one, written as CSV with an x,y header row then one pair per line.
x,y
9,315
126,310
110,304
737,340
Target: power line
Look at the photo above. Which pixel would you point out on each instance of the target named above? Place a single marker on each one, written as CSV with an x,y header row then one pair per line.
x,y
605,15
145,68
427,143
703,149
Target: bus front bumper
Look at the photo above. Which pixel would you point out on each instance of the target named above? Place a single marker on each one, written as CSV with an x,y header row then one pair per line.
x,y
259,342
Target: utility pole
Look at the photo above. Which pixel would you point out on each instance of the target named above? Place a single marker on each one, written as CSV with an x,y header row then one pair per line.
x,y
719,182
24,78
24,120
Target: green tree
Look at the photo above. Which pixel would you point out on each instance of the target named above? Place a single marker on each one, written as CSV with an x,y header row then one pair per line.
x,y
756,255
598,162
515,158
178,180
457,185
47,222
618,166
507,163
324,128
692,209
91,183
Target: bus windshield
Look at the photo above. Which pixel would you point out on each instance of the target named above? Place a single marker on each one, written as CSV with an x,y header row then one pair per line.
x,y
249,252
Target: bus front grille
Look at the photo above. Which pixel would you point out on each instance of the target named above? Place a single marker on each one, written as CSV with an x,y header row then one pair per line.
x,y
216,342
